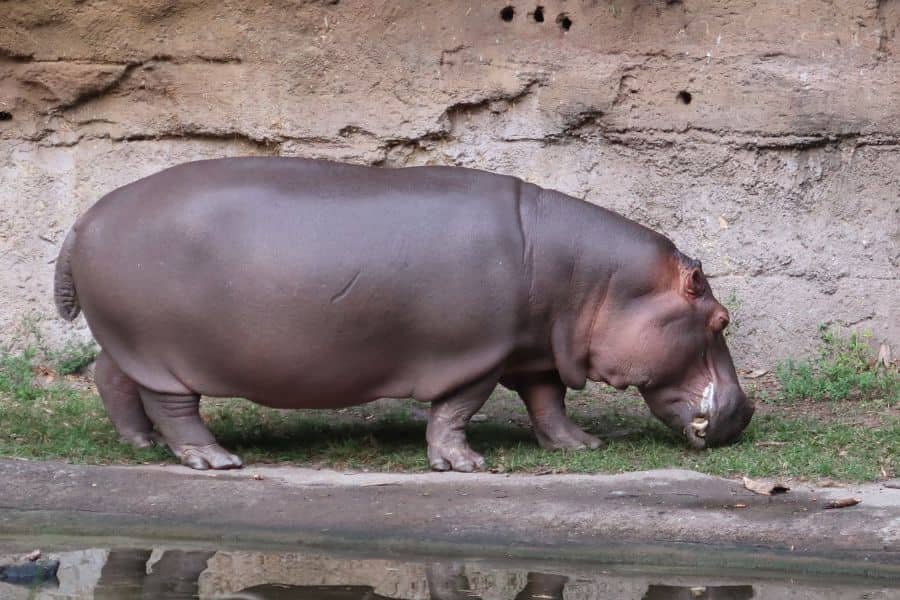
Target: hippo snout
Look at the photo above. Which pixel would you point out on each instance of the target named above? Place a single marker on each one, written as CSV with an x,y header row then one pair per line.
x,y
733,414
714,420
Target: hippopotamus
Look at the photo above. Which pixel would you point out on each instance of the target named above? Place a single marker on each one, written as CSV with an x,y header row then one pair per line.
x,y
299,283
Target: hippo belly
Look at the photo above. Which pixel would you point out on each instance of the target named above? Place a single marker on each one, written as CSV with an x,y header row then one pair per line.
x,y
265,279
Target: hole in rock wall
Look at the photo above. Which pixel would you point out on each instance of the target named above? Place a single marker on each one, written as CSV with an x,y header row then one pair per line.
x,y
684,97
538,14
564,21
507,13
5,116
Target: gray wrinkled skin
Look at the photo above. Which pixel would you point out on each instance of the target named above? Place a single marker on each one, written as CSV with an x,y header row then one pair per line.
x,y
309,284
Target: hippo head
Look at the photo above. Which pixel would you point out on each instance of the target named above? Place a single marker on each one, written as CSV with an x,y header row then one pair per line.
x,y
664,334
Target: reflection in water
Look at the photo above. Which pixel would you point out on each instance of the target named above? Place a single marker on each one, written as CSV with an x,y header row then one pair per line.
x,y
129,574
175,574
448,581
722,592
275,591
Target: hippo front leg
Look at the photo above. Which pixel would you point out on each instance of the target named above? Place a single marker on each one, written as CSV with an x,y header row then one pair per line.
x,y
543,585
178,420
446,432
448,581
544,397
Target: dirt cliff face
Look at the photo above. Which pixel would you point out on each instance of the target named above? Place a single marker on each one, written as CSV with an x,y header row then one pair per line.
x,y
763,137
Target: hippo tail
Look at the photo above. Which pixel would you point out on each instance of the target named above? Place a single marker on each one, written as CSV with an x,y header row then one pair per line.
x,y
63,283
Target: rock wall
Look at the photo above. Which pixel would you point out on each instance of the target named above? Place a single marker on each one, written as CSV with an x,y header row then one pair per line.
x,y
762,136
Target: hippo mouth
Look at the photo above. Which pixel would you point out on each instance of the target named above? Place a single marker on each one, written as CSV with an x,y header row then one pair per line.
x,y
718,421
687,413
713,416
695,431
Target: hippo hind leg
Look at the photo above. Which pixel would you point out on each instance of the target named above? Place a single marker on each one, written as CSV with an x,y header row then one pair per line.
x,y
544,397
122,401
178,419
446,431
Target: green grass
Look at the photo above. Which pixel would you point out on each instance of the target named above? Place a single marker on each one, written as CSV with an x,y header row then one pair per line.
x,y
845,368
55,420
73,357
734,306
771,446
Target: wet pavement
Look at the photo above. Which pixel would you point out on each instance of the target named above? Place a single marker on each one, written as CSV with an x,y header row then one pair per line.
x,y
264,532
671,514
121,573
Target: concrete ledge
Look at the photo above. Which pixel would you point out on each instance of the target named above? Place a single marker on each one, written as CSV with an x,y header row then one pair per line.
x,y
667,518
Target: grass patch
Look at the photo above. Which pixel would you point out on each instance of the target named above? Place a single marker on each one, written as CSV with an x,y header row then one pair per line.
x,y
46,417
845,368
72,358
734,305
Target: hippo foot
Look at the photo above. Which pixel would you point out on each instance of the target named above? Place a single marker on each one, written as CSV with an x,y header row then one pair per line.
x,y
142,439
212,456
566,435
456,456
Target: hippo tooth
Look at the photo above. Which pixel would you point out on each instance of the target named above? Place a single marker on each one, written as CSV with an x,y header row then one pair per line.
x,y
699,425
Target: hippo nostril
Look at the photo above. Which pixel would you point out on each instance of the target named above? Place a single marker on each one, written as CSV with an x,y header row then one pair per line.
x,y
719,320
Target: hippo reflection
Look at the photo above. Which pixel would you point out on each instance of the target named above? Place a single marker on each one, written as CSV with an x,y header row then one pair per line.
x,y
722,592
130,574
446,581
310,284
175,575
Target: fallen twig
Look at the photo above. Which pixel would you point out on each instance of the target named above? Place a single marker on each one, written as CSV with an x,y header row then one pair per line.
x,y
842,503
765,487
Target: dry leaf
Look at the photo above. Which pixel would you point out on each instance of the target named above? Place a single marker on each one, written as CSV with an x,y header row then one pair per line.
x,y
32,556
765,487
843,503
756,373
723,224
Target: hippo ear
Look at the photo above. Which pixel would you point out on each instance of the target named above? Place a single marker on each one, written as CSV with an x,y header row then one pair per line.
x,y
693,282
